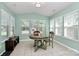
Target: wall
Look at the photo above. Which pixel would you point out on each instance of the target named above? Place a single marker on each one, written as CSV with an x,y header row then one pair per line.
x,y
71,43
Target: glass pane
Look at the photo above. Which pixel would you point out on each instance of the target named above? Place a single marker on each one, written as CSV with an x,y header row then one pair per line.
x,y
40,25
52,25
11,25
58,26
3,30
71,26
4,20
25,26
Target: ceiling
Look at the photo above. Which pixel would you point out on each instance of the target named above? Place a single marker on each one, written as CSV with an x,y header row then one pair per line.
x,y
46,8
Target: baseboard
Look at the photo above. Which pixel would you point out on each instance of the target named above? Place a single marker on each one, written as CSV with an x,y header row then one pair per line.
x,y
2,53
67,46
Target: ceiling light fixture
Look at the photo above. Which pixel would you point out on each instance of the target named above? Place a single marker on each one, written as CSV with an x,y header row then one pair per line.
x,y
38,5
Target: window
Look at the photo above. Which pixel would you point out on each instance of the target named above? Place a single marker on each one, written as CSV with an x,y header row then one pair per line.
x,y
52,25
36,26
40,25
7,24
47,28
11,25
25,26
58,26
4,21
71,26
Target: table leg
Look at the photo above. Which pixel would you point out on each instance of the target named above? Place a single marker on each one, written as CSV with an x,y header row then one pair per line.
x,y
40,44
34,43
49,41
45,44
36,47
52,42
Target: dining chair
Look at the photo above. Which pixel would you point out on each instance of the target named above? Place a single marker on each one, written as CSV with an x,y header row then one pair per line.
x,y
49,39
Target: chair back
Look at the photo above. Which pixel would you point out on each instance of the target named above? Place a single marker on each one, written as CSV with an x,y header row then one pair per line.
x,y
51,34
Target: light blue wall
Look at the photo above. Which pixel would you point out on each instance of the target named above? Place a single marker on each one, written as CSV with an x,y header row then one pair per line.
x,y
71,43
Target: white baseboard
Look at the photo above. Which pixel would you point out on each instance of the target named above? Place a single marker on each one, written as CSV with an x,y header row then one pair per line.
x,y
2,53
67,46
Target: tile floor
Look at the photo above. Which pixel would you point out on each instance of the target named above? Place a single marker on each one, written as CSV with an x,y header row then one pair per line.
x,y
25,48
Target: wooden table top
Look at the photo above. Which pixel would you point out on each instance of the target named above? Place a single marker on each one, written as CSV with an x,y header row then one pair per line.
x,y
38,37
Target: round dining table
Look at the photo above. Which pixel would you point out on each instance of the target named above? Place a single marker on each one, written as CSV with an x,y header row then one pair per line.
x,y
39,42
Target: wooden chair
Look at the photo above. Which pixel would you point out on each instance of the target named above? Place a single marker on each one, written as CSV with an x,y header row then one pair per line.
x,y
51,36
48,39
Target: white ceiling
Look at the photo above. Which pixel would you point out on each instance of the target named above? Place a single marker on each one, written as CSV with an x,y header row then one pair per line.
x,y
46,9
